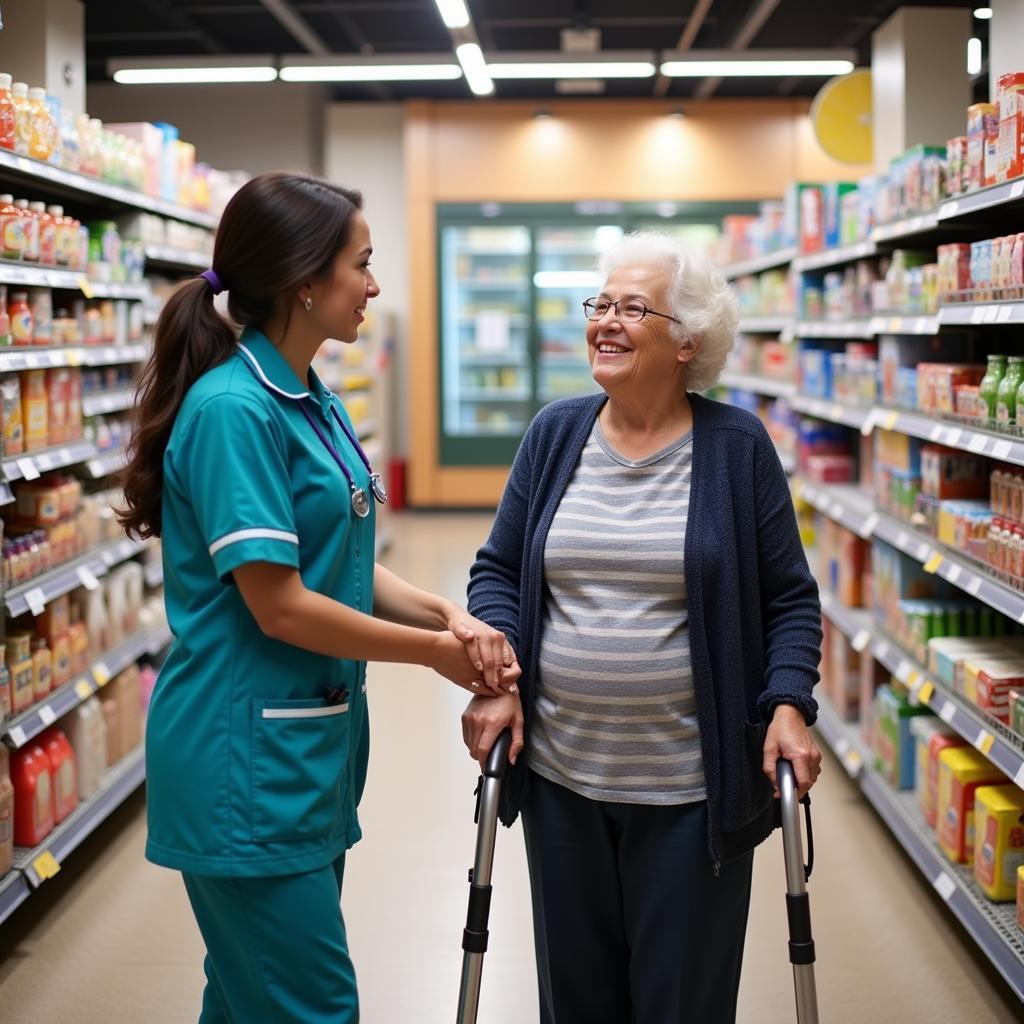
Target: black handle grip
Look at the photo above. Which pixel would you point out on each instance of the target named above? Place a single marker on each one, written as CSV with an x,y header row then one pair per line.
x,y
497,759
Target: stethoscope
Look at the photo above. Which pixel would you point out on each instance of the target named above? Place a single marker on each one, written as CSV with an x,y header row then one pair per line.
x,y
360,502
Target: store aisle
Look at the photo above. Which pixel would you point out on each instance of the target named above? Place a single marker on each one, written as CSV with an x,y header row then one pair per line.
x,y
112,941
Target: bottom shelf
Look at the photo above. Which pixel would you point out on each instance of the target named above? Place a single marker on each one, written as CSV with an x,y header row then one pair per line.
x,y
32,866
993,926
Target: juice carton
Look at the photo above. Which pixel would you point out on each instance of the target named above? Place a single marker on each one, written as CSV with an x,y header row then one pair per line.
x,y
998,816
895,745
962,771
1010,149
978,116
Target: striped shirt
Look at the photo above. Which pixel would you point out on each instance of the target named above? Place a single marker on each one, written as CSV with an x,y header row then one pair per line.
x,y
616,715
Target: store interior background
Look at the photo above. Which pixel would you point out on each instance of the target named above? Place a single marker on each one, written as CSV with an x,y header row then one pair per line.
x,y
409,149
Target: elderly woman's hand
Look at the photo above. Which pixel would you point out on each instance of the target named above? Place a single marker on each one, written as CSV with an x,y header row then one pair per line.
x,y
789,737
488,649
483,720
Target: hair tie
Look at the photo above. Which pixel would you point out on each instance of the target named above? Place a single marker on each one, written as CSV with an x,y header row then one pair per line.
x,y
214,281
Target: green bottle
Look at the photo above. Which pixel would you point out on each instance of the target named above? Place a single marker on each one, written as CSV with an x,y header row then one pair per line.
x,y
1006,396
988,389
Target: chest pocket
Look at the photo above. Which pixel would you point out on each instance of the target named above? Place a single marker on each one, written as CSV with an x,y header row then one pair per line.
x,y
299,768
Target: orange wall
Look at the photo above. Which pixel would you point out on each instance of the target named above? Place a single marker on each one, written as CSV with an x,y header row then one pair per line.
x,y
629,150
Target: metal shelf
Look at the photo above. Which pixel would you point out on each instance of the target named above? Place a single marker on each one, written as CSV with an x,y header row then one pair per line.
x,y
34,275
13,360
909,227
902,323
758,385
83,571
836,412
25,727
34,171
108,401
835,257
171,256
106,463
969,439
768,324
977,314
833,329
992,926
846,504
33,464
102,290
769,261
14,890
984,199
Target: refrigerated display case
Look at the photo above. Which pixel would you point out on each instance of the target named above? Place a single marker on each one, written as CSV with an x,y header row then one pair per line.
x,y
512,281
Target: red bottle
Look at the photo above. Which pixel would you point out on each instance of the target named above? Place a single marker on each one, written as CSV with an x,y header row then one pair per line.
x,y
33,796
63,776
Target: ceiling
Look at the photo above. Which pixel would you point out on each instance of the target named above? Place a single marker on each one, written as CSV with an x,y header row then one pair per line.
x,y
149,28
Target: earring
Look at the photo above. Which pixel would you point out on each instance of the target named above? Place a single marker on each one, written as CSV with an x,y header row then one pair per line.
x,y
308,303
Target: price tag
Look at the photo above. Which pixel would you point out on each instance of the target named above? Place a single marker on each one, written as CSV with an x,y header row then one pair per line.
x,y
1001,449
991,314
1004,314
903,671
44,463
65,456
953,437
944,886
861,640
924,325
948,210
947,712
101,673
984,741
882,650
842,746
973,586
33,362
868,526
936,432
36,601
895,324
17,735
28,469
47,715
87,578
926,692
913,678
890,421
953,574
83,689
86,287
45,866
836,413
1019,777
901,539
853,763
837,510
869,422
976,443
1017,190
978,315
922,551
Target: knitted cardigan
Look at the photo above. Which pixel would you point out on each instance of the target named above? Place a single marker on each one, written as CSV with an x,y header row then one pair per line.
x,y
754,613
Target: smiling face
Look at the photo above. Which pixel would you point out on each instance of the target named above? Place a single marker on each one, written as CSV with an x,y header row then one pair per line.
x,y
641,356
339,300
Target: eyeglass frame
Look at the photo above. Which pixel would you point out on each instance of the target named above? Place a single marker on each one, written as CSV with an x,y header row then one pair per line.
x,y
647,311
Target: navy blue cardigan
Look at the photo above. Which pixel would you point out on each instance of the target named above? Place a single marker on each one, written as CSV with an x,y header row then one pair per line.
x,y
754,614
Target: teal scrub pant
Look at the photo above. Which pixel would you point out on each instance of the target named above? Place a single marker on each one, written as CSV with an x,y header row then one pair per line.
x,y
276,947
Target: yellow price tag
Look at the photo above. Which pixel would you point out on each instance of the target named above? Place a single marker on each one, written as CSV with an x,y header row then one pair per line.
x,y
74,357
86,287
101,674
985,742
927,692
933,563
45,866
891,420
83,689
913,678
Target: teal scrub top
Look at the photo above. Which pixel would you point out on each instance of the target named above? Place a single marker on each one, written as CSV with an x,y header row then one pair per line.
x,y
251,769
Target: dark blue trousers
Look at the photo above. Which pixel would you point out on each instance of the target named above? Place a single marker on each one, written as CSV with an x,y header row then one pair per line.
x,y
630,923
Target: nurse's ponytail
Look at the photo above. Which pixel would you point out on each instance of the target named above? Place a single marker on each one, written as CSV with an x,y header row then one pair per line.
x,y
277,232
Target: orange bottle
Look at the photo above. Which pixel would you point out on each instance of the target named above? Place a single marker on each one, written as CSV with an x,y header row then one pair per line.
x,y
12,229
31,222
47,234
7,114
6,813
20,314
33,796
62,227
63,777
22,118
42,668
41,142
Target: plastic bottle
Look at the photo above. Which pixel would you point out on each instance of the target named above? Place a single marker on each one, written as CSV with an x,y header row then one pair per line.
x,y
33,796
87,733
1006,396
31,251
8,116
41,141
47,234
6,812
20,314
5,320
63,777
61,228
41,302
42,668
22,118
5,675
988,389
12,229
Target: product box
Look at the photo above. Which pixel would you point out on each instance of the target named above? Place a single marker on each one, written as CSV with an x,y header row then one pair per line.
x,y
949,473
898,451
152,139
979,115
792,210
895,744
993,688
895,353
832,195
928,730
1010,149
999,852
962,771
844,677
873,676
830,469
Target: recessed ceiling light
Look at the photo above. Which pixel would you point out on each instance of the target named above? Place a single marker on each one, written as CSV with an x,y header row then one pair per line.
x,y
983,13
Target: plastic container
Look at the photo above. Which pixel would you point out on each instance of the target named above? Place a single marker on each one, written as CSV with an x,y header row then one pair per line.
x,y
33,796
5,678
63,773
42,668
40,301
87,733
12,229
6,811
988,389
1000,840
47,234
42,129
22,323
111,718
22,118
961,772
7,114
1006,395
34,409
19,663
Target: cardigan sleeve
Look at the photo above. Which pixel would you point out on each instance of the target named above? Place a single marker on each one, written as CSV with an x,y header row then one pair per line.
x,y
791,610
495,578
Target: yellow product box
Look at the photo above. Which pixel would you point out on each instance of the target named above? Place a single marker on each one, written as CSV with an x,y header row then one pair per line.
x,y
962,770
999,850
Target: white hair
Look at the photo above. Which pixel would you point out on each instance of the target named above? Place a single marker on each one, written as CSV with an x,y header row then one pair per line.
x,y
698,296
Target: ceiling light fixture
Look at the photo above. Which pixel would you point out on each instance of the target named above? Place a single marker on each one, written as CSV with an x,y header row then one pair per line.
x,y
191,70
561,69
974,56
471,57
756,63
983,13
392,68
454,13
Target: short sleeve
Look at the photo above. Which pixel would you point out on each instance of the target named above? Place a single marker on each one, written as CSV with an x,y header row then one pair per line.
x,y
233,466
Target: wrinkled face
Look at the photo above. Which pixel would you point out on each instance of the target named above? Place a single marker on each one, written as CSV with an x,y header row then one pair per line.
x,y
640,355
339,301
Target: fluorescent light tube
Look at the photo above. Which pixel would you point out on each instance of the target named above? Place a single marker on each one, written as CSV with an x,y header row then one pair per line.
x,y
566,279
573,69
471,57
754,68
983,13
974,56
453,13
370,73
183,76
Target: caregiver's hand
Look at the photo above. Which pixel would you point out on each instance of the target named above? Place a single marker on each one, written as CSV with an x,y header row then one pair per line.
x,y
789,737
494,659
449,657
483,720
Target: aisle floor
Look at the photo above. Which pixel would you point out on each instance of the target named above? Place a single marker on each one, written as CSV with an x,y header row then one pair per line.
x,y
111,940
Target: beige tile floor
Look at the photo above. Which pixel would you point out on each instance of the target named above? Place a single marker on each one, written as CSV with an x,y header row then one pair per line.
x,y
111,939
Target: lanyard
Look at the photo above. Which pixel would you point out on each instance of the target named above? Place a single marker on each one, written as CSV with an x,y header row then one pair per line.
x,y
360,504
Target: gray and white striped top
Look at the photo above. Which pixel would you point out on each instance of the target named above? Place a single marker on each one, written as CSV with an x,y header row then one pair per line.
x,y
616,716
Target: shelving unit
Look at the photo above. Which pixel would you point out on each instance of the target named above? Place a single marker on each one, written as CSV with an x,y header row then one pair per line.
x,y
835,257
758,385
771,260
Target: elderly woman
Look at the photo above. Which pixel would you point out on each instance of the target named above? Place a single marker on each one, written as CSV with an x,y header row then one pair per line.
x,y
645,563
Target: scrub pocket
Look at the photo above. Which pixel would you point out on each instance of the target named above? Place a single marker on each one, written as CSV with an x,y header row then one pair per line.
x,y
299,765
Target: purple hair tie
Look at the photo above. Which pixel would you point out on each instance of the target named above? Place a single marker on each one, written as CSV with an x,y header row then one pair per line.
x,y
214,280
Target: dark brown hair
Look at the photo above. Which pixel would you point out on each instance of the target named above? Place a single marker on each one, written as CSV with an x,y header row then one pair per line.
x,y
277,232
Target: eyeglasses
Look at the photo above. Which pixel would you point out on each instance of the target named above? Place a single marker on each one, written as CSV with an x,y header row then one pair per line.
x,y
629,312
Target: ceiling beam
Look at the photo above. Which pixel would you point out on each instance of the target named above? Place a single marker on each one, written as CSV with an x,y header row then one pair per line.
x,y
743,38
693,26
297,26
183,23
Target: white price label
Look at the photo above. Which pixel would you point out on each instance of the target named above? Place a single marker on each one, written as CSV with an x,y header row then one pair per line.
x,y
44,462
903,671
36,601
1017,190
882,650
947,712
991,314
87,578
1019,777
65,456
842,746
949,210
953,437
936,432
47,715
976,443
901,539
978,315
1001,449
869,422
18,737
1005,313
837,510
826,600
28,469
33,362
953,574
869,524
974,586
861,640
944,886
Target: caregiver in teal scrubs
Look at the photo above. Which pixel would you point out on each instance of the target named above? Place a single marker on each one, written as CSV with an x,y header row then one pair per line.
x,y
250,471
